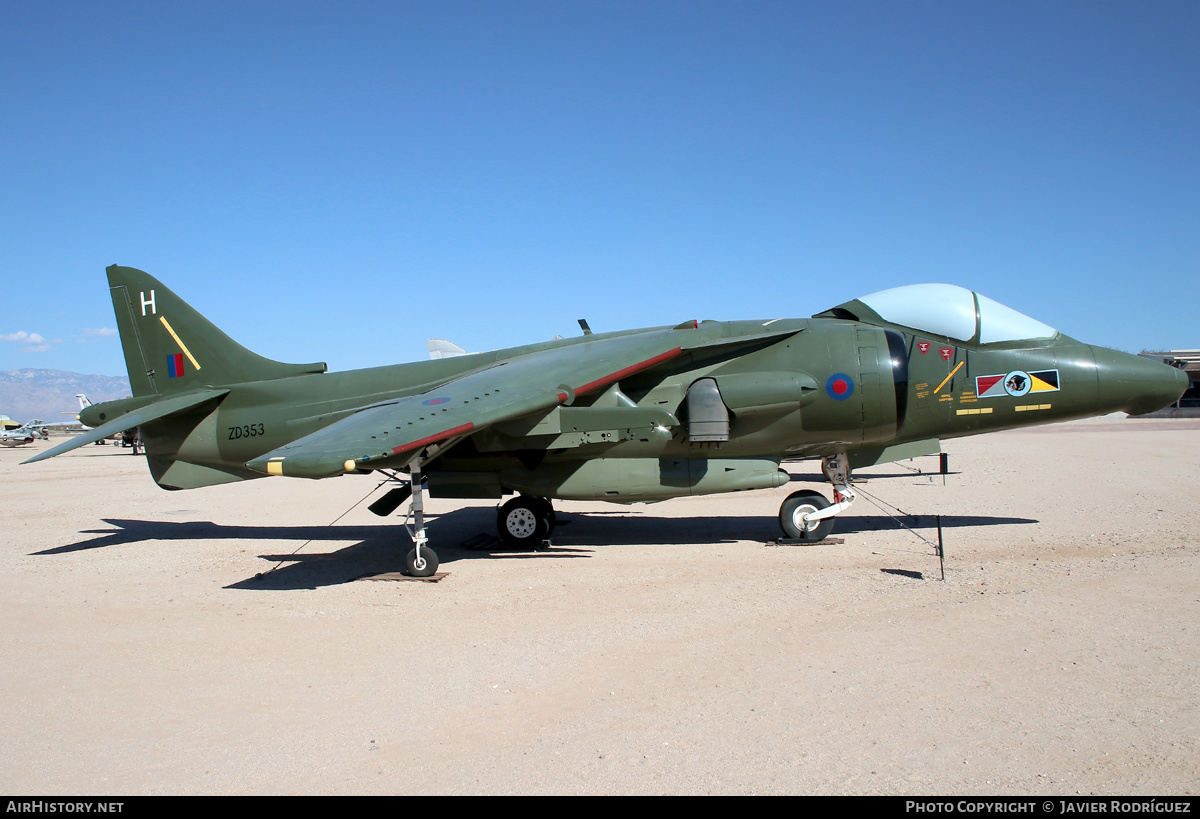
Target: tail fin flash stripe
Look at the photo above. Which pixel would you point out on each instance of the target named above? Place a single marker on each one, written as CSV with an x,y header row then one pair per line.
x,y
182,346
150,340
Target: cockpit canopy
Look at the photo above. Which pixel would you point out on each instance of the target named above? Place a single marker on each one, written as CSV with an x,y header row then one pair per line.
x,y
944,310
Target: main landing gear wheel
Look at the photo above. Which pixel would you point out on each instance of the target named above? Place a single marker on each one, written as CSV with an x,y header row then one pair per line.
x,y
547,513
793,510
428,556
523,522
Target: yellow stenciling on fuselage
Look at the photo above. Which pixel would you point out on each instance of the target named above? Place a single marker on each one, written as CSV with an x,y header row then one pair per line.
x,y
981,411
182,346
1031,407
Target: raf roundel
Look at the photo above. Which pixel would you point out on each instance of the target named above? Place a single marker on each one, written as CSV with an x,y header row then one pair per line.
x,y
839,386
434,402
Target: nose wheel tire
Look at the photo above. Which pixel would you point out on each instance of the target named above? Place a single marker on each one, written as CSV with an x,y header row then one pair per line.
x,y
430,559
793,510
523,522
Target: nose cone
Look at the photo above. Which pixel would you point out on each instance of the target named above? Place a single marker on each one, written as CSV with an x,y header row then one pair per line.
x,y
1134,384
91,416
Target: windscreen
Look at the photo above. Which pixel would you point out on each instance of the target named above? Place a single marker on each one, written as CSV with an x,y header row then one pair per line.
x,y
949,310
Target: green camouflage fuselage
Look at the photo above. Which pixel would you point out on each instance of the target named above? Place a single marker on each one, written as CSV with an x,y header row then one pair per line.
x,y
845,381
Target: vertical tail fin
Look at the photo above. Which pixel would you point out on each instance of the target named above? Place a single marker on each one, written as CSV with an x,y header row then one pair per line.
x,y
171,348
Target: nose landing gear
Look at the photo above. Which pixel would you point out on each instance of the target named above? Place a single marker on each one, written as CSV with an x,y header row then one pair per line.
x,y
806,515
795,520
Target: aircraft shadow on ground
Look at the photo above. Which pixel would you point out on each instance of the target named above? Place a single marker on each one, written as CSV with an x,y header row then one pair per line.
x,y
852,524
381,548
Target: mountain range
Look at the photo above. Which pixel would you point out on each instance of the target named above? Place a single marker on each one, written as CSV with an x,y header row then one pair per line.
x,y
47,394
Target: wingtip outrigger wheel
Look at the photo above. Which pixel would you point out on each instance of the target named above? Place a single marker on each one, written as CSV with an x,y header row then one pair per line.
x,y
421,561
424,564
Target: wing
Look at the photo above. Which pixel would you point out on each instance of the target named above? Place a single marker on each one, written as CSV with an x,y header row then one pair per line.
x,y
391,433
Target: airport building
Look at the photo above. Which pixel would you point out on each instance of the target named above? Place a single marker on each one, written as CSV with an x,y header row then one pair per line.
x,y
1188,406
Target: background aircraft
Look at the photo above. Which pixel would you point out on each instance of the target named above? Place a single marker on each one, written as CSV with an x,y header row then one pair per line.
x,y
25,434
441,348
15,437
84,403
638,415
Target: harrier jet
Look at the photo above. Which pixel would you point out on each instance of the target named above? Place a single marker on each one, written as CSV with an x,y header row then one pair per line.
x,y
636,415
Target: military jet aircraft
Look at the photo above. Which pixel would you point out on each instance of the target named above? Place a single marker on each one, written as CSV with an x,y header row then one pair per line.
x,y
27,433
16,437
636,415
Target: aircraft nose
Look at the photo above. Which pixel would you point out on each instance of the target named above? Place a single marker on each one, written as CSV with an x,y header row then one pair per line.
x,y
91,416
1134,384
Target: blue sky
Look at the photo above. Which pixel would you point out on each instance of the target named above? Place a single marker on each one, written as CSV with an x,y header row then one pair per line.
x,y
341,181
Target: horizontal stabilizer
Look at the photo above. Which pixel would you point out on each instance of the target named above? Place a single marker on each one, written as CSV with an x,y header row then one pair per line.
x,y
152,412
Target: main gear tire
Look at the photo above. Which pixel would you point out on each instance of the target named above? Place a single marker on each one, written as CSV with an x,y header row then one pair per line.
x,y
523,522
793,510
548,513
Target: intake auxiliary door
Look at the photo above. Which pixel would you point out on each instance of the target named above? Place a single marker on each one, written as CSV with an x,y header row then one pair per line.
x,y
883,375
865,387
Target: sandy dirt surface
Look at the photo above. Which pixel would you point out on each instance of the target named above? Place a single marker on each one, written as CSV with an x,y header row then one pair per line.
x,y
218,641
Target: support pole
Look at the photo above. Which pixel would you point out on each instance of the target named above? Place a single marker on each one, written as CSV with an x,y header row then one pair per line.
x,y
941,552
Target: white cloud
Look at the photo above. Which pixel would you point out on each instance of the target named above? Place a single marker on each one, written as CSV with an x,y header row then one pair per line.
x,y
22,337
31,342
102,332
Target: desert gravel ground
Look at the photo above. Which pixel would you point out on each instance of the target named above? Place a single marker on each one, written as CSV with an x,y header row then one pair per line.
x,y
219,641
